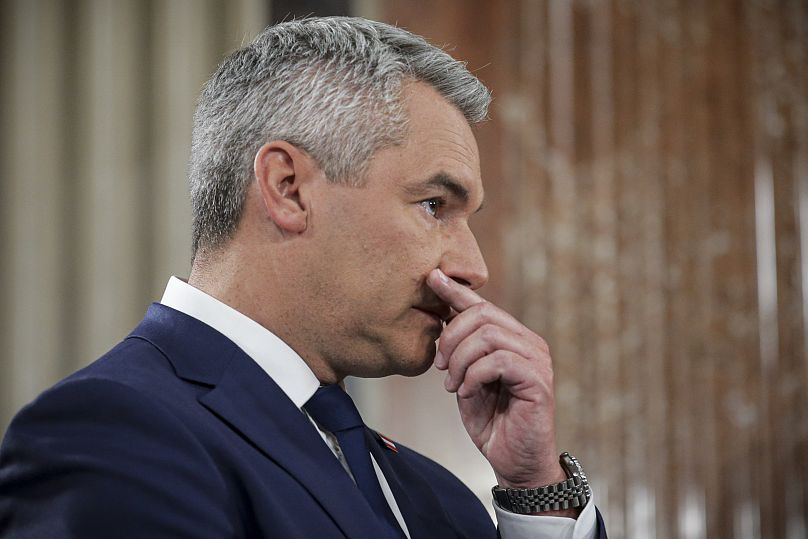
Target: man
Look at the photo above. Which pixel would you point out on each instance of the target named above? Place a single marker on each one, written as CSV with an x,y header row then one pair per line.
x,y
333,173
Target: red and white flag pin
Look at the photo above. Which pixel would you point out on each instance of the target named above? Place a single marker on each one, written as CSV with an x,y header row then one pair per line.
x,y
388,443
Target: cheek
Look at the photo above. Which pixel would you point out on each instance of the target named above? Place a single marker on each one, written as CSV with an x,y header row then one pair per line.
x,y
391,248
404,256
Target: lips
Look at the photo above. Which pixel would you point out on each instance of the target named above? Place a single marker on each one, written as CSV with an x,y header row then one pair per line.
x,y
441,312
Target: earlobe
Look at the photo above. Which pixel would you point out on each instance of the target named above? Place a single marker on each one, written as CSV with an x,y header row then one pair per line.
x,y
280,171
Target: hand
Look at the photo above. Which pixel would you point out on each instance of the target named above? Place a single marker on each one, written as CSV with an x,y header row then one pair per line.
x,y
502,375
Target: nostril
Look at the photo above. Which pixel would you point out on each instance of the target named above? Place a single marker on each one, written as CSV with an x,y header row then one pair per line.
x,y
462,281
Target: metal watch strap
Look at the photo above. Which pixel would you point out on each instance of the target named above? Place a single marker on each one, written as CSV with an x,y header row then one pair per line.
x,y
572,493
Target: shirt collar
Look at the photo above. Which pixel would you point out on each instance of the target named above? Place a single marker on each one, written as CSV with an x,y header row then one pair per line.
x,y
277,358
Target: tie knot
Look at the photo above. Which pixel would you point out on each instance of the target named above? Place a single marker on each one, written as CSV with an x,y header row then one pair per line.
x,y
333,408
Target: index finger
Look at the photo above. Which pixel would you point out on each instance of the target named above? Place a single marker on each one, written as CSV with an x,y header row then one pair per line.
x,y
455,294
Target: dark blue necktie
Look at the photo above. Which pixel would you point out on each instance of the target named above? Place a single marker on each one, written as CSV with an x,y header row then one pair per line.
x,y
333,409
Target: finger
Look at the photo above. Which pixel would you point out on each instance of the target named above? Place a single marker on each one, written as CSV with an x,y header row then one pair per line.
x,y
484,341
455,294
507,368
476,316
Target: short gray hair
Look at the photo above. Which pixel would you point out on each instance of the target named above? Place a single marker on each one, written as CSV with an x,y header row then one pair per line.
x,y
330,86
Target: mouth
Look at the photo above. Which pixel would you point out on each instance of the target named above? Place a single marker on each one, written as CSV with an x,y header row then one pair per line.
x,y
440,313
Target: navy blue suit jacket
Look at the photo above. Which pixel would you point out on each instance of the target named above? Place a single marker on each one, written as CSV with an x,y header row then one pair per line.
x,y
176,432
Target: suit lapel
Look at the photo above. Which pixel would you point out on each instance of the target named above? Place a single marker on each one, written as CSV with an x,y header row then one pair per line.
x,y
280,430
418,504
250,402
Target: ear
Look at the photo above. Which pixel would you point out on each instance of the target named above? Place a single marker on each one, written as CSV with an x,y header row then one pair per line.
x,y
281,170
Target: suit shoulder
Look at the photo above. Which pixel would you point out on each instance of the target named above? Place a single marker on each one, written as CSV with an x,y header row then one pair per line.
x,y
95,453
85,407
133,368
130,358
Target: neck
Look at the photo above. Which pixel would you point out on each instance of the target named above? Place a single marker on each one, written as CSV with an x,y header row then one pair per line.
x,y
262,296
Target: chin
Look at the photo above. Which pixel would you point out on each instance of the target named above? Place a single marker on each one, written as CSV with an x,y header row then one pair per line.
x,y
404,364
413,362
414,369
406,355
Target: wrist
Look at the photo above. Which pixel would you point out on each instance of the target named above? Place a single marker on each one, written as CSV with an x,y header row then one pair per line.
x,y
553,474
563,498
544,469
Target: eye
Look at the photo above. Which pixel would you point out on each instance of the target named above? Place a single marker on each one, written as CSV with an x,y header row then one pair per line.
x,y
432,205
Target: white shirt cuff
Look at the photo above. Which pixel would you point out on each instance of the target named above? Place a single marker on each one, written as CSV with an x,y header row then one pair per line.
x,y
516,526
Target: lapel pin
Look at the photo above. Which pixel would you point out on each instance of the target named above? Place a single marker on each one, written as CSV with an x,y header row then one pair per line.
x,y
388,443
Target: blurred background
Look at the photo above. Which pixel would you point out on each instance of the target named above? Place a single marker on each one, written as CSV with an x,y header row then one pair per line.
x,y
646,169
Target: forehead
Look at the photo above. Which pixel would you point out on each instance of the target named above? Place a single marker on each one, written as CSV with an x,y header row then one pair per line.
x,y
439,142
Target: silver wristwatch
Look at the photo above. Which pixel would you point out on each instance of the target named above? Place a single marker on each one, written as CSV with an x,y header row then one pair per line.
x,y
572,493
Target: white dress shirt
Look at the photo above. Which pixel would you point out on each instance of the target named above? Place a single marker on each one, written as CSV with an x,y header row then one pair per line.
x,y
299,383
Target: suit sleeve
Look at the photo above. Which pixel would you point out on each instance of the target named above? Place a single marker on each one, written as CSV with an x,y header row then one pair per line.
x,y
96,458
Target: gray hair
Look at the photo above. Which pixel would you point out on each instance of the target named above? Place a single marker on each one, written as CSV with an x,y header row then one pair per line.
x,y
330,86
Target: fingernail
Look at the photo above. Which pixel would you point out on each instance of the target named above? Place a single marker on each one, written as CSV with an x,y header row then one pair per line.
x,y
447,383
439,360
444,279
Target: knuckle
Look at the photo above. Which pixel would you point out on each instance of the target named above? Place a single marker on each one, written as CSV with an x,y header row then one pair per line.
x,y
543,345
489,333
448,340
455,370
501,358
444,346
481,310
548,377
487,310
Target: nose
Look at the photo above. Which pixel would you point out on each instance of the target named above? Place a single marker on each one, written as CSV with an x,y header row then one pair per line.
x,y
464,262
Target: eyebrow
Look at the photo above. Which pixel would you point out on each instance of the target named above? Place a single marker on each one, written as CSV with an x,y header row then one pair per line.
x,y
444,181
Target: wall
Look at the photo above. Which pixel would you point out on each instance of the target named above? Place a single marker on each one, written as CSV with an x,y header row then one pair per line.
x,y
96,103
647,182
